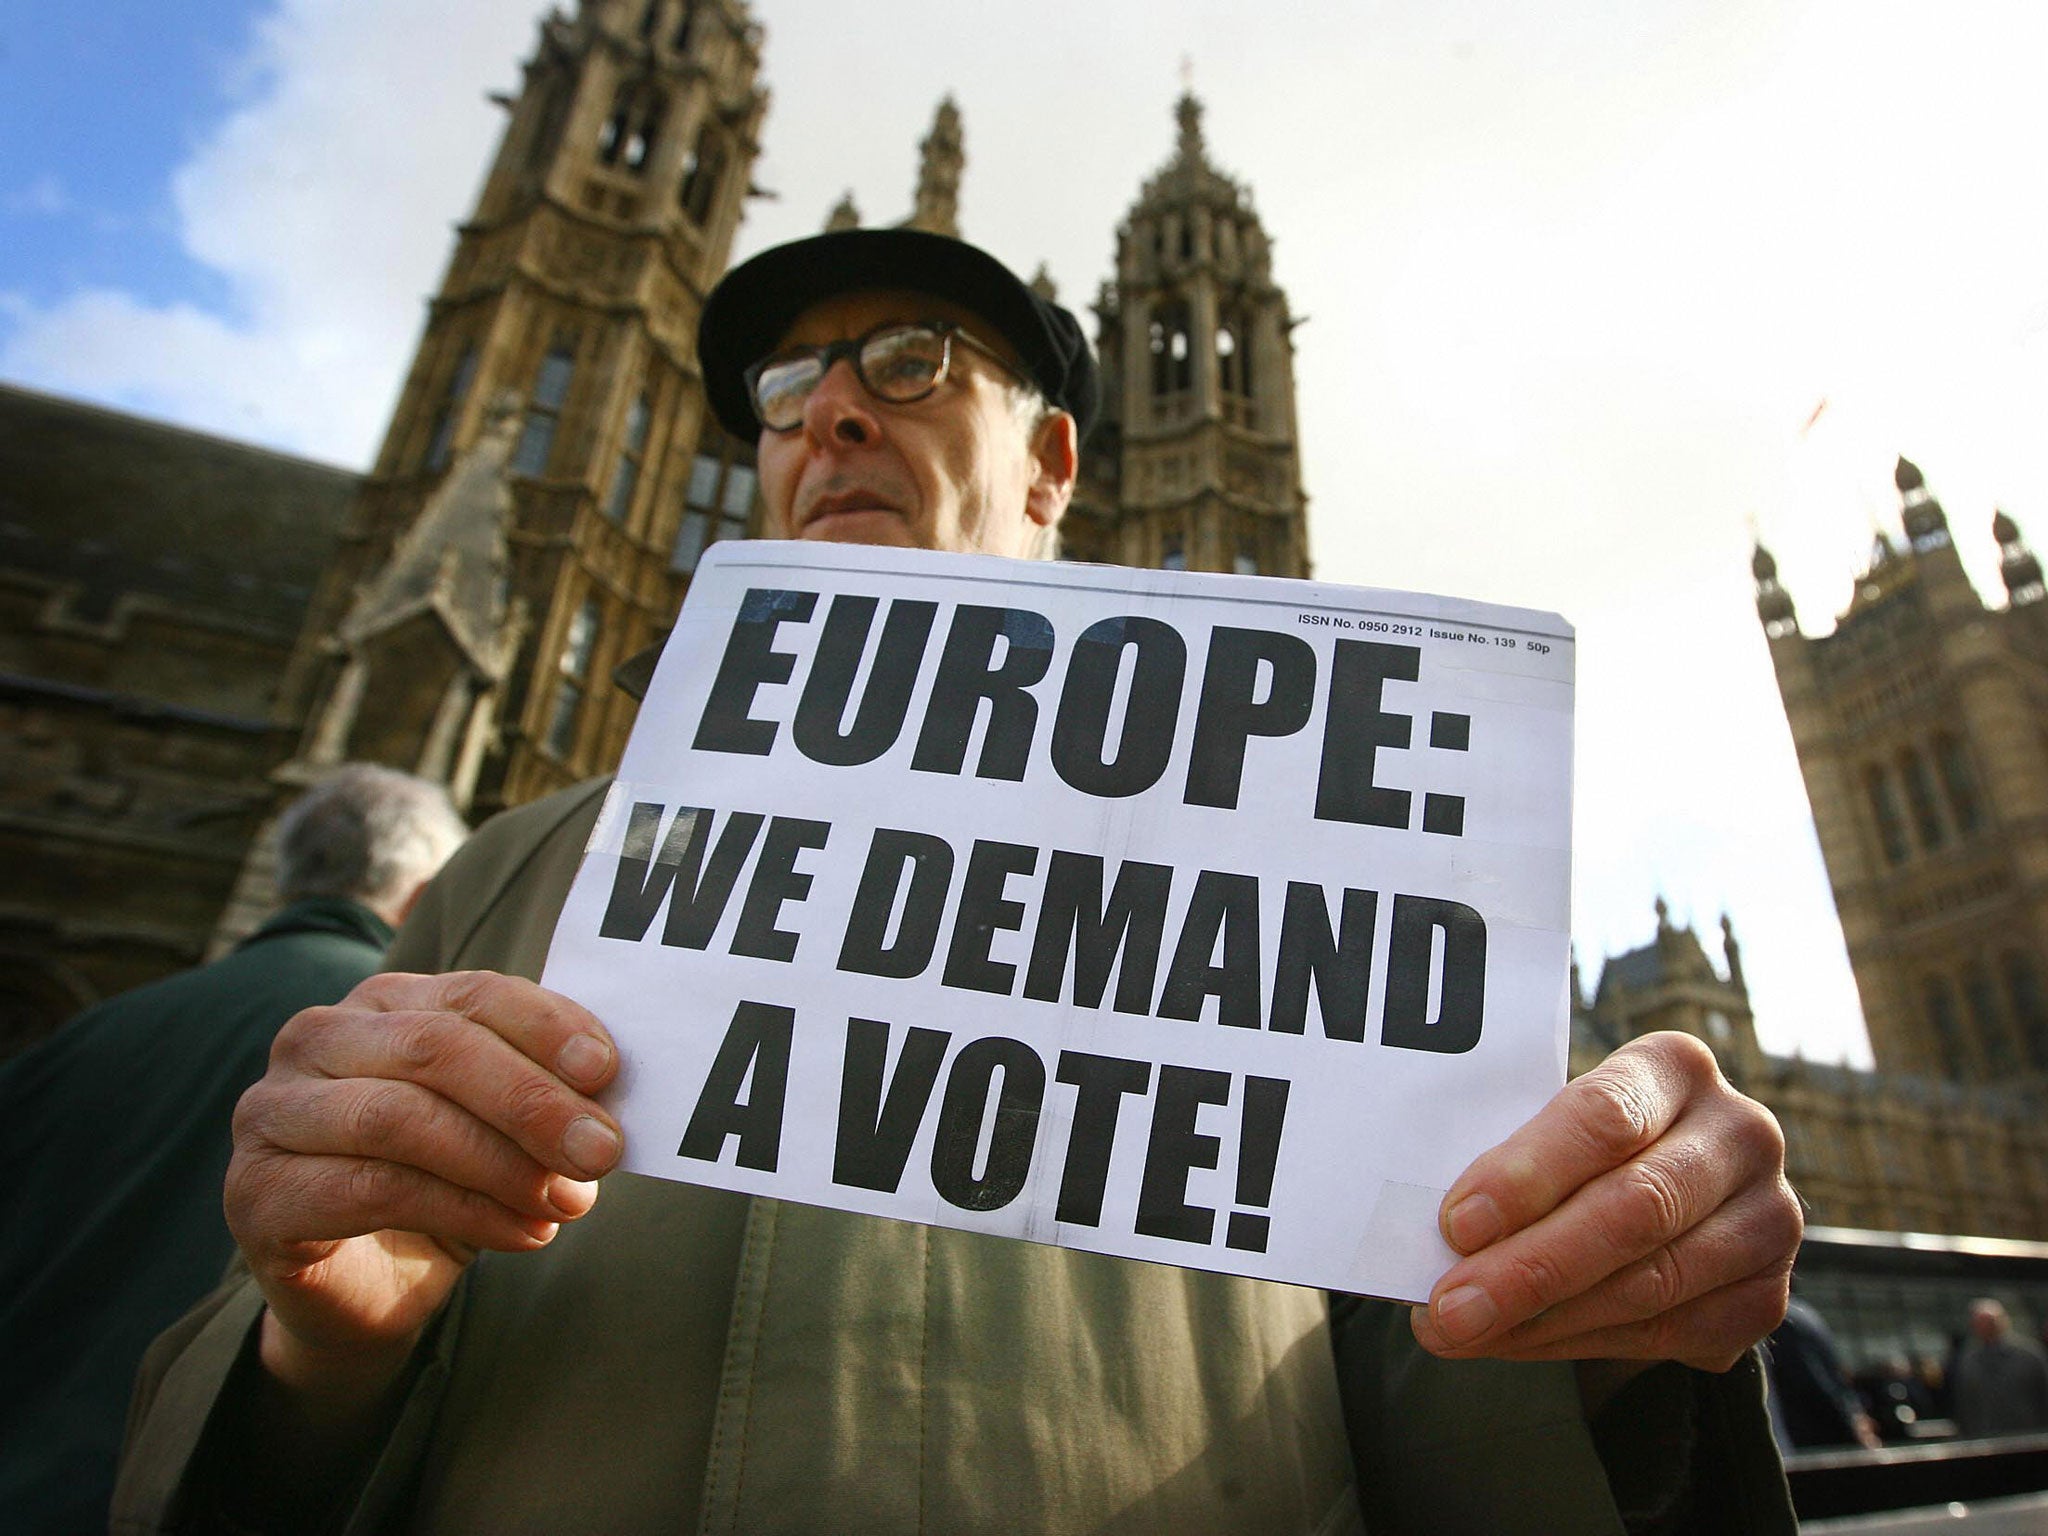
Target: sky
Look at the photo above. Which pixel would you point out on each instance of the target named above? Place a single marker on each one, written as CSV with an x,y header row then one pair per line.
x,y
1572,281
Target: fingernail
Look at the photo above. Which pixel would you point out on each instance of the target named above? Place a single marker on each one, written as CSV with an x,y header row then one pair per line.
x,y
571,1197
590,1144
1464,1314
584,1059
1474,1222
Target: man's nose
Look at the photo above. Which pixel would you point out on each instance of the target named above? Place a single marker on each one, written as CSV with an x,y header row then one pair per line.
x,y
840,410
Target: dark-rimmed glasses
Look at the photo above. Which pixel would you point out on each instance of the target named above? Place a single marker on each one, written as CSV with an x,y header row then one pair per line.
x,y
898,362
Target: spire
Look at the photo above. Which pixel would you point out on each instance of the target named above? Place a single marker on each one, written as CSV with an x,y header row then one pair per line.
x,y
1773,602
1188,113
1926,524
1043,285
1189,177
941,157
1732,952
2016,563
844,214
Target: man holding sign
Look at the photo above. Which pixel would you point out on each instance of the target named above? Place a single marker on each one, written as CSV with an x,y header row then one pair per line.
x,y
445,1327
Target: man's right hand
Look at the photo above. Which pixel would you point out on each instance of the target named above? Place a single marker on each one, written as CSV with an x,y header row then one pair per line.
x,y
418,1120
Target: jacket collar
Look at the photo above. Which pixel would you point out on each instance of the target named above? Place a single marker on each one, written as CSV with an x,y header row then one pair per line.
x,y
325,914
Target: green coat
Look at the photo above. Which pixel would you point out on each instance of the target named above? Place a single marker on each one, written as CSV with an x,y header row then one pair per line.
x,y
690,1359
114,1132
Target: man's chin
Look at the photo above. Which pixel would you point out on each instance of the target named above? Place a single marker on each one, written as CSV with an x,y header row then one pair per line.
x,y
865,526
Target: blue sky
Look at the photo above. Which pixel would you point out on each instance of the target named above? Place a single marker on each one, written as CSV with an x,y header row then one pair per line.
x,y
1574,276
99,105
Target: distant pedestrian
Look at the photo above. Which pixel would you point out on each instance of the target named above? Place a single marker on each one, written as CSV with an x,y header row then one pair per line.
x,y
1812,1401
2000,1380
115,1135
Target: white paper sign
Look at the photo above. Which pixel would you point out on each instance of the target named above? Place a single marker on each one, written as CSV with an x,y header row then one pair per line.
x,y
1213,920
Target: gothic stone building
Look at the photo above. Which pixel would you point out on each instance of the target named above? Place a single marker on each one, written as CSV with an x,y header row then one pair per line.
x,y
152,584
1919,728
1918,722
551,476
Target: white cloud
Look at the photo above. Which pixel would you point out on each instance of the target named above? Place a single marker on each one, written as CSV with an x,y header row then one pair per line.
x,y
323,200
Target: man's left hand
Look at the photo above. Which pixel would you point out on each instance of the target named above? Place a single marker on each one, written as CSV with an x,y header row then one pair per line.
x,y
1642,1215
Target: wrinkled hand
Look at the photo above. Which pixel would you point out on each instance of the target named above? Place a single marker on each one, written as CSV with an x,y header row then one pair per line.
x,y
1643,1215
395,1134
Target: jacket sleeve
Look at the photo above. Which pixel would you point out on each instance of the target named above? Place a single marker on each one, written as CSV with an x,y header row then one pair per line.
x,y
493,907
1493,1446
1464,1447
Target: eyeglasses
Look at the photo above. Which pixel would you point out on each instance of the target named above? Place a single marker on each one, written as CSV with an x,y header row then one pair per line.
x,y
898,363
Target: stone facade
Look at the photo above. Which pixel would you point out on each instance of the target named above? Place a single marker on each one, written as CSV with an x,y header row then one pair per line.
x,y
1919,727
548,481
570,307
151,583
1196,464
1918,724
572,298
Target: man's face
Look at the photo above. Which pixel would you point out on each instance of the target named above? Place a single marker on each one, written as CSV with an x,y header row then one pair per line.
x,y
957,470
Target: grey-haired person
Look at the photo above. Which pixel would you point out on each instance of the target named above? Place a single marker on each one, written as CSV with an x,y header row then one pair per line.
x,y
115,1134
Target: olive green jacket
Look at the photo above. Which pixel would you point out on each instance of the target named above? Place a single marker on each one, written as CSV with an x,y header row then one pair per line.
x,y
690,1359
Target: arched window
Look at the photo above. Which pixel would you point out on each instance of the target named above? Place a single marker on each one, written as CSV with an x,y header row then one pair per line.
x,y
544,410
1246,561
2029,1007
685,25
650,18
1884,810
640,142
1173,367
1965,809
717,503
1946,1026
441,441
1920,796
699,189
574,679
1234,353
627,475
1173,552
1990,1021
628,135
611,138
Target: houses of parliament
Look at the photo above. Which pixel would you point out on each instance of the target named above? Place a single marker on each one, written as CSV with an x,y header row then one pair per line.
x,y
191,629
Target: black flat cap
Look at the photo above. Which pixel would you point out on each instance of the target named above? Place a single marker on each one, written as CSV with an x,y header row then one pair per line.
x,y
748,313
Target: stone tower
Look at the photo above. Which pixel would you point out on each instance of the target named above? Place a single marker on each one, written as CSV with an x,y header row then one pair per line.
x,y
942,156
935,200
1918,728
568,317
1669,983
1196,462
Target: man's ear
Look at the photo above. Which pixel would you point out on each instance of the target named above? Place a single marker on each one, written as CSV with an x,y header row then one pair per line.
x,y
1055,461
